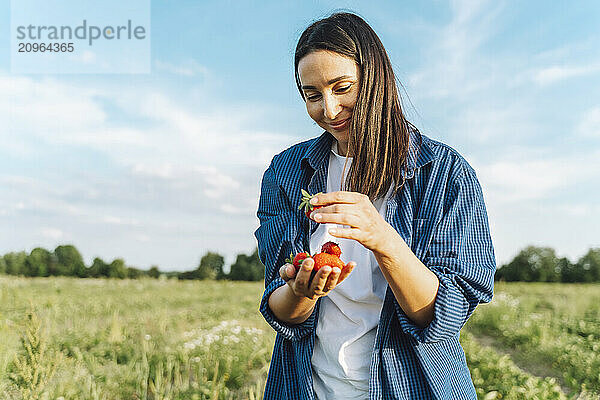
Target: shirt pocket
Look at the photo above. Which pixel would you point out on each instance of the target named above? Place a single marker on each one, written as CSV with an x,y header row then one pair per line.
x,y
422,233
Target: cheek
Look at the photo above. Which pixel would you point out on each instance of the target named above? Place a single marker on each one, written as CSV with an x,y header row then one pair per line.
x,y
313,111
351,100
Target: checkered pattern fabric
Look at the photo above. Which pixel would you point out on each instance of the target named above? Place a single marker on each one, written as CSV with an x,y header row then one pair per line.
x,y
441,215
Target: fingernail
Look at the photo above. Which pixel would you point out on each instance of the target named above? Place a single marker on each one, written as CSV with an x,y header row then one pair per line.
x,y
313,200
318,217
333,231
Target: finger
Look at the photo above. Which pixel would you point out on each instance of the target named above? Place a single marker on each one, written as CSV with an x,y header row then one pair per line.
x,y
318,283
282,272
303,275
338,208
346,271
336,218
334,276
340,196
287,272
346,233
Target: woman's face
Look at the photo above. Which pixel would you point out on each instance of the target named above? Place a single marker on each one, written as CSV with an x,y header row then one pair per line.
x,y
330,83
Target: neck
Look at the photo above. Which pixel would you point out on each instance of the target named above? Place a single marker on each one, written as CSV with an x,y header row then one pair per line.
x,y
342,148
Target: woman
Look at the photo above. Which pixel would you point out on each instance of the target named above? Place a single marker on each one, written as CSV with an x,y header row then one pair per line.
x,y
409,215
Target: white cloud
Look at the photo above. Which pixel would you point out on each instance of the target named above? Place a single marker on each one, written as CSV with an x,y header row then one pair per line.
x,y
453,68
218,184
63,113
589,125
35,107
483,123
164,171
189,68
175,176
527,180
231,209
549,75
529,176
52,233
215,182
88,57
114,220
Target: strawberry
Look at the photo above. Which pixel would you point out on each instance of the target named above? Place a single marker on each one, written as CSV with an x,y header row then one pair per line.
x,y
331,248
297,260
305,203
323,259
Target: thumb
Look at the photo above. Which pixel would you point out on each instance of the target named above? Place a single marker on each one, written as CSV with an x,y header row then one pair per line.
x,y
346,271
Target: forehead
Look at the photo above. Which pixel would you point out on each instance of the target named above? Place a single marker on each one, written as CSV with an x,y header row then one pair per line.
x,y
318,67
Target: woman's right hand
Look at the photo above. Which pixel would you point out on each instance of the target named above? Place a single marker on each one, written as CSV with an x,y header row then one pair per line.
x,y
325,279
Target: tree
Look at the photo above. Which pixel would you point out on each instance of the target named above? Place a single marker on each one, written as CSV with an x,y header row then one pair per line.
x,y
134,273
211,266
154,272
99,268
188,275
589,266
38,262
570,272
117,269
247,268
70,262
2,265
15,262
532,264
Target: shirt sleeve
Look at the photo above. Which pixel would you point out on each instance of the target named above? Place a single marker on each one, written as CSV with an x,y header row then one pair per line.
x,y
461,255
276,240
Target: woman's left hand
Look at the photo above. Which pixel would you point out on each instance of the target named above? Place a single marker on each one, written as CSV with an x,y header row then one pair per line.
x,y
355,210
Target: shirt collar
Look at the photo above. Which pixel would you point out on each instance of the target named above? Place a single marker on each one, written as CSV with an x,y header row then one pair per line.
x,y
318,150
419,151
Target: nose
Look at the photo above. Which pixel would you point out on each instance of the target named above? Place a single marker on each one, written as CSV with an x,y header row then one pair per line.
x,y
331,107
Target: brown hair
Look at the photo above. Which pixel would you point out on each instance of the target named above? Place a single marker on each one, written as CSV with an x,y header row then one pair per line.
x,y
379,135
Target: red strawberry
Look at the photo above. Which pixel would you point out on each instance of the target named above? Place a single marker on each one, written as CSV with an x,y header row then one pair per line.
x,y
331,248
323,259
297,260
305,203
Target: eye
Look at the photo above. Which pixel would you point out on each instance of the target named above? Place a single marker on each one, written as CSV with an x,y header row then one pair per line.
x,y
344,88
313,97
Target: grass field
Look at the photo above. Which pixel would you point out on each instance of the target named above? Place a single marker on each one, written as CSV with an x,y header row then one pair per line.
x,y
66,338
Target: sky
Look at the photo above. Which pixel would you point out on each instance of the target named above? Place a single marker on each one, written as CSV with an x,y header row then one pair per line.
x,y
158,168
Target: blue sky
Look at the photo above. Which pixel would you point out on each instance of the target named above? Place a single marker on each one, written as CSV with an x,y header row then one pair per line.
x,y
159,168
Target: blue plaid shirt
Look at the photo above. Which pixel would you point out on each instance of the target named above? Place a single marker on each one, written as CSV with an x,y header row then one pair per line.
x,y
441,215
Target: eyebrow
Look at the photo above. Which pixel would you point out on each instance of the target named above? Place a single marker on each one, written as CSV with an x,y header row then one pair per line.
x,y
332,81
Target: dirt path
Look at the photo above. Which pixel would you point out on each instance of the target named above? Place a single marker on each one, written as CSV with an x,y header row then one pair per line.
x,y
532,367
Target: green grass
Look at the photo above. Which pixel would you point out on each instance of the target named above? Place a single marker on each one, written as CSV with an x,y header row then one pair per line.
x,y
147,339
556,326
162,339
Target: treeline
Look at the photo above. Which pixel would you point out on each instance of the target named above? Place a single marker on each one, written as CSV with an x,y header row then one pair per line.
x,y
540,264
66,260
532,264
245,268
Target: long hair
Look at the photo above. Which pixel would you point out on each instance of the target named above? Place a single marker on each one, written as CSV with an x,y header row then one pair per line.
x,y
378,131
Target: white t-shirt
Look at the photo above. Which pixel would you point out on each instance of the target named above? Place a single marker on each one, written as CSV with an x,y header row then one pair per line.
x,y
349,314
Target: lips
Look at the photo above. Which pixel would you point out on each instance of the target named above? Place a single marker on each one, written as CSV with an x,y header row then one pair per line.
x,y
339,124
